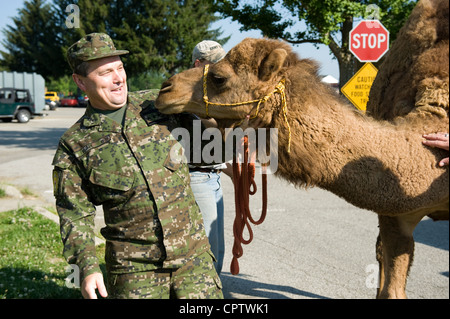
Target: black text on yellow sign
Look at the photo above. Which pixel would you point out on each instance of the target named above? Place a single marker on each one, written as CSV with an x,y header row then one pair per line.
x,y
358,88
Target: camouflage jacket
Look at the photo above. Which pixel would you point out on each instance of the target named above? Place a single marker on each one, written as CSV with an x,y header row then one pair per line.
x,y
152,219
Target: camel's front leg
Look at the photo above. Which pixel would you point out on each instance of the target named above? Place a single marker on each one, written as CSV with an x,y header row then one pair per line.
x,y
397,249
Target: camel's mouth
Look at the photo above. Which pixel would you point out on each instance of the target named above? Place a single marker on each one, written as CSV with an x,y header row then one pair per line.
x,y
167,106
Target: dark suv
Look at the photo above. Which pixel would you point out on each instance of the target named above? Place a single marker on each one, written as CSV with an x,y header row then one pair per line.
x,y
16,104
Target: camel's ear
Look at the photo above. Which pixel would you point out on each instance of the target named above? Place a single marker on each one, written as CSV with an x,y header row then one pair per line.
x,y
272,64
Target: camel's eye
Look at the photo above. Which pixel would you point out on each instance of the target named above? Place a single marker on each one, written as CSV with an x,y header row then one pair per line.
x,y
218,80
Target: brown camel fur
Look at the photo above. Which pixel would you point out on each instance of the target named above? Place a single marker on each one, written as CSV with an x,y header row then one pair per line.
x,y
375,165
415,72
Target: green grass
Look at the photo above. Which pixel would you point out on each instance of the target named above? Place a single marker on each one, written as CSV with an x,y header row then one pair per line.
x,y
27,192
31,262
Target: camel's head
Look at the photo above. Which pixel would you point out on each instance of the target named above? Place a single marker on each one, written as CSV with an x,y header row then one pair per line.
x,y
250,71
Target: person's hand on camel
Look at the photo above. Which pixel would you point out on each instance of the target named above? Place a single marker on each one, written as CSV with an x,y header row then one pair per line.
x,y
439,140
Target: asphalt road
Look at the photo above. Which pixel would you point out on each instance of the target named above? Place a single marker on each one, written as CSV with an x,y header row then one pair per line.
x,y
311,245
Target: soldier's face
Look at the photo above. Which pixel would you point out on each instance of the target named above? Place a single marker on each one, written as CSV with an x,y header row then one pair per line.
x,y
105,83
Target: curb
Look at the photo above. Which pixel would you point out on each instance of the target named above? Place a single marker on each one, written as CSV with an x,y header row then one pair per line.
x,y
15,195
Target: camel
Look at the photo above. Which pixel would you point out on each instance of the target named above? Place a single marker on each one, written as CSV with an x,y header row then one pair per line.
x,y
416,77
373,163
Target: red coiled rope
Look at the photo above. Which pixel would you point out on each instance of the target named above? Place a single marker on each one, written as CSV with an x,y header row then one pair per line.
x,y
244,186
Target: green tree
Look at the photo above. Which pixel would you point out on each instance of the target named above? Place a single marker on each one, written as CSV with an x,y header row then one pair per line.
x,y
160,34
146,80
327,21
30,45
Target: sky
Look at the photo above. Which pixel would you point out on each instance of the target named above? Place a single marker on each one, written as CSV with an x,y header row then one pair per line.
x,y
8,10
329,66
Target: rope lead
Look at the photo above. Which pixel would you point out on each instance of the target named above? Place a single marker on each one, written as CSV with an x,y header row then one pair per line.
x,y
244,186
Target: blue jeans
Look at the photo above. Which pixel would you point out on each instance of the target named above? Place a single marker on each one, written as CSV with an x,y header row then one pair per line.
x,y
209,197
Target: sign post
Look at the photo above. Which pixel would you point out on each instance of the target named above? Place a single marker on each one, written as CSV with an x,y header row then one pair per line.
x,y
369,41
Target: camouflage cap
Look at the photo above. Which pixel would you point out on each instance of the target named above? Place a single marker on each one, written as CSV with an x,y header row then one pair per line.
x,y
91,47
208,50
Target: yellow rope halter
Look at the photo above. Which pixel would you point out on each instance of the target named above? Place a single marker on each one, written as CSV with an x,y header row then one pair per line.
x,y
280,89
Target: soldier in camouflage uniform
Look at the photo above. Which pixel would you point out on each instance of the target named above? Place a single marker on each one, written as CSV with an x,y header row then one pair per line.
x,y
118,155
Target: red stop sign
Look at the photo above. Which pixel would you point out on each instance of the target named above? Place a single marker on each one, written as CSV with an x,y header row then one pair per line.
x,y
369,41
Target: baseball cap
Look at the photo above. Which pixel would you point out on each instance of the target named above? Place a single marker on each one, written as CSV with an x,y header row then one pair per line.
x,y
208,50
91,47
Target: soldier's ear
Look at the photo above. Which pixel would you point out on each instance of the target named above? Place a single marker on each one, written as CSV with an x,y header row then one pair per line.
x,y
79,81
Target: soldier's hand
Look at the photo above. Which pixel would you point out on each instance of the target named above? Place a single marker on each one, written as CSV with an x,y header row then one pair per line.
x,y
90,284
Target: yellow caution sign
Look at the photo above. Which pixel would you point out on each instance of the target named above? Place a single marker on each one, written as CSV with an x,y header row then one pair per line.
x,y
358,88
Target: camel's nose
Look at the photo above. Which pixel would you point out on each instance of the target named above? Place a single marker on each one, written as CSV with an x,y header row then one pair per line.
x,y
166,86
